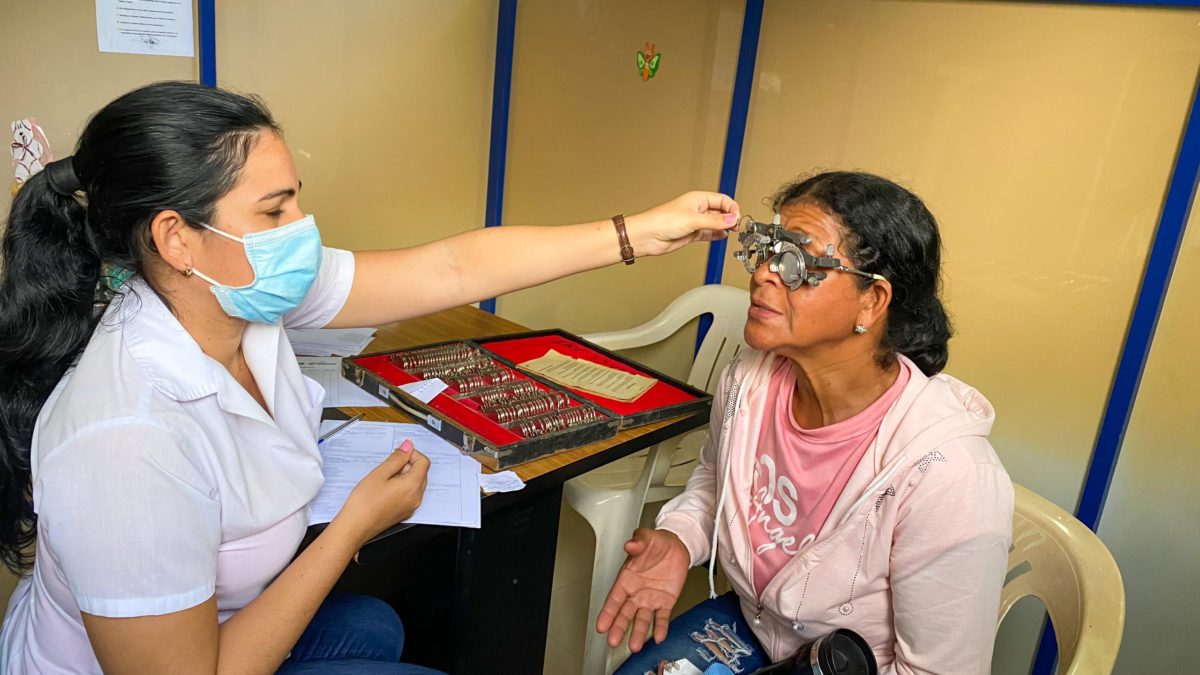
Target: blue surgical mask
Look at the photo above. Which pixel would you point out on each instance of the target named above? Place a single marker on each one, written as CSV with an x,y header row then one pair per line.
x,y
285,262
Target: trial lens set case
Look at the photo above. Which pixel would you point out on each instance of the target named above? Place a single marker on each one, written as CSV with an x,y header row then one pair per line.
x,y
463,417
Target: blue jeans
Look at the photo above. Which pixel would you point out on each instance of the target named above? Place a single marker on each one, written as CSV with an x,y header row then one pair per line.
x,y
712,632
351,634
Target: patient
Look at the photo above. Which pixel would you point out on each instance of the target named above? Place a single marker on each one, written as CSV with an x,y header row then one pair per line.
x,y
845,483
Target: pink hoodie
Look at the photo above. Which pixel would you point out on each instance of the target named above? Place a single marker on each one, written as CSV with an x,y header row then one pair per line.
x,y
914,553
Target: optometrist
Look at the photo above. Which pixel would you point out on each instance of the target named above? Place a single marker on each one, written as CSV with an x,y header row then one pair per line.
x,y
156,464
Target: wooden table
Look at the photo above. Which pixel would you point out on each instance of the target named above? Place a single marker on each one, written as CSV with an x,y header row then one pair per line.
x,y
478,601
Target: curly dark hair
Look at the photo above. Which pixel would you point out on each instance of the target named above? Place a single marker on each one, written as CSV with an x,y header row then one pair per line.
x,y
887,230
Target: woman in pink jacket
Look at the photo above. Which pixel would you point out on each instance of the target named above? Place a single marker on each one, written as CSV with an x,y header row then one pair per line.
x,y
845,483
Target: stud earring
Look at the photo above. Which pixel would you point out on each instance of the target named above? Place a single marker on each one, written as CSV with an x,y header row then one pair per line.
x,y
187,272
860,329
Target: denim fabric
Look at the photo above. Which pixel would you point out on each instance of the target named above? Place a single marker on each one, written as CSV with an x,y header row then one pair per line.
x,y
351,634
712,632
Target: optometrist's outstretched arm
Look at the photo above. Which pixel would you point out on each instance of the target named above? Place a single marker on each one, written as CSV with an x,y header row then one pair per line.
x,y
488,262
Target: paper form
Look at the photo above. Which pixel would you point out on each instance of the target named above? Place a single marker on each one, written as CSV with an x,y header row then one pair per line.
x,y
590,377
451,496
162,27
339,392
329,341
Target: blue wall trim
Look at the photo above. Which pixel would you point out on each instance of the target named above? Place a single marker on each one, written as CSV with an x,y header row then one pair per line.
x,y
1131,3
207,32
1164,250
1045,660
1153,293
506,30
735,136
739,110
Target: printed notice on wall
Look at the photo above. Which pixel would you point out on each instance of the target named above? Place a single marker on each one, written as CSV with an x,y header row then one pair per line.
x,y
162,27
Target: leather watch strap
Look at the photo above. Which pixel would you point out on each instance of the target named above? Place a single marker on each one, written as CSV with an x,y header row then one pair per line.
x,y
627,255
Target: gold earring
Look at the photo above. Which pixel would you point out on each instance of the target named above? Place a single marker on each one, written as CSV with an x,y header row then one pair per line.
x,y
187,272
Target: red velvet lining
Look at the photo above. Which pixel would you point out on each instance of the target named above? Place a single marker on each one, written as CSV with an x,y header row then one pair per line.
x,y
519,350
465,411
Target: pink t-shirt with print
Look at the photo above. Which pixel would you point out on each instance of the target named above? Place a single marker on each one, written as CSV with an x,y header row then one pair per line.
x,y
800,473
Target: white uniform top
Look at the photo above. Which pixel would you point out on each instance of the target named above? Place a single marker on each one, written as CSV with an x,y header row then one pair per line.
x,y
159,481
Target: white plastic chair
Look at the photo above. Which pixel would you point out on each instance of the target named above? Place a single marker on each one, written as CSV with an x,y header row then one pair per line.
x,y
1058,560
611,498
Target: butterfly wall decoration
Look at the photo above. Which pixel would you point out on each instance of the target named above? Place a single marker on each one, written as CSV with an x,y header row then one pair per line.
x,y
647,61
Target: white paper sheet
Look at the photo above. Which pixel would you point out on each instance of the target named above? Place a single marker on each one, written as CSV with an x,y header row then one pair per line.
x,y
451,496
329,341
425,390
504,481
327,371
161,27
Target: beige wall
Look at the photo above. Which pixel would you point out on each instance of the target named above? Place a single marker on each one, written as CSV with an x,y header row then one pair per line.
x,y
589,138
1044,153
386,107
52,70
1149,522
1042,137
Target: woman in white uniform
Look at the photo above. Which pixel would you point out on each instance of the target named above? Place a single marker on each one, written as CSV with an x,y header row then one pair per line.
x,y
162,456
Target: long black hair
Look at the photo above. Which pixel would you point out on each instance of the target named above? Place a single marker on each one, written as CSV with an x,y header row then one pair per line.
x,y
887,230
167,146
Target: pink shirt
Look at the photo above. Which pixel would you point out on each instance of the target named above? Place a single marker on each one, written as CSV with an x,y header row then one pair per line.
x,y
800,473
912,556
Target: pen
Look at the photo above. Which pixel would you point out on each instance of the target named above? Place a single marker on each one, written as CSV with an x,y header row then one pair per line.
x,y
338,428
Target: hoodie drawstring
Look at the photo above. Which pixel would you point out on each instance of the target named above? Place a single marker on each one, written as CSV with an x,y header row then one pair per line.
x,y
712,559
731,402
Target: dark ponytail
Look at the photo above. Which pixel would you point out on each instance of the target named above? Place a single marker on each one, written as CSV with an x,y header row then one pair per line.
x,y
48,281
168,146
887,230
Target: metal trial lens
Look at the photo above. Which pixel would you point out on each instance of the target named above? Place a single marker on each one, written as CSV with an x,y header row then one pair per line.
x,y
784,254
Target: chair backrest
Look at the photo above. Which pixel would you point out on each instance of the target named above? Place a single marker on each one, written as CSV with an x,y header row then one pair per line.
x,y
1058,560
725,337
726,304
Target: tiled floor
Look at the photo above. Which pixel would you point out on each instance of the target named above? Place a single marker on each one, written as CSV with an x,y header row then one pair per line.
x,y
572,581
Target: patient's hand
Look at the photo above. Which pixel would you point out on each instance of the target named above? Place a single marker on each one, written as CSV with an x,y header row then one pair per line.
x,y
647,586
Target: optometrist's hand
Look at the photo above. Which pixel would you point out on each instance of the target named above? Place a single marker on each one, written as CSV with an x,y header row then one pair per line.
x,y
695,216
647,586
389,494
